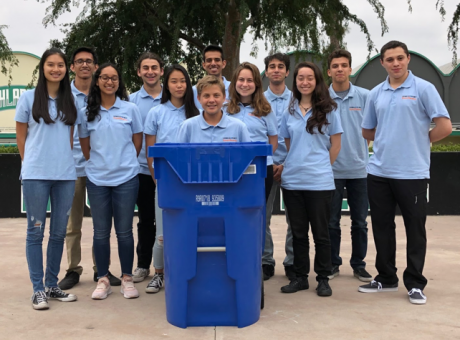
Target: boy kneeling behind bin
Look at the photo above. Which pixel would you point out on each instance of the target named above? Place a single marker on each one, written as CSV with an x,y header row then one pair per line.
x,y
212,126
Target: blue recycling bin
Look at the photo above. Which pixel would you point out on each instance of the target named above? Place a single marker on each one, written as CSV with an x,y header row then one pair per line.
x,y
213,202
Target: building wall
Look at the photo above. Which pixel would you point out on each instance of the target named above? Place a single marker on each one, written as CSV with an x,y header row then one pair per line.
x,y
9,95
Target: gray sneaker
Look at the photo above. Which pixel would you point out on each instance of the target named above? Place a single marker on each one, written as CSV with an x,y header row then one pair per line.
x,y
416,296
40,300
140,274
155,284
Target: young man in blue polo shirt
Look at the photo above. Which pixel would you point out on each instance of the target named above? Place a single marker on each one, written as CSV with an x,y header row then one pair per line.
x,y
213,63
350,166
212,126
278,95
397,118
150,69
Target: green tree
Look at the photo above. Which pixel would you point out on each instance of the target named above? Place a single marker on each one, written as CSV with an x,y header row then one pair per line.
x,y
7,59
178,30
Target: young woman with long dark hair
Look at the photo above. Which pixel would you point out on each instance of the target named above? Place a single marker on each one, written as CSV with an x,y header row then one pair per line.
x,y
111,139
161,126
45,118
312,131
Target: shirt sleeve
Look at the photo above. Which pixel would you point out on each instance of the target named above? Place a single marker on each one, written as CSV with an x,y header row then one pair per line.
x,y
434,106
244,138
335,126
151,124
284,132
82,124
370,116
136,121
23,110
272,124
183,136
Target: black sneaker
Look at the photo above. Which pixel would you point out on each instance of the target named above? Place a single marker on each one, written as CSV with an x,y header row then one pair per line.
x,y
114,281
362,275
39,300
268,271
299,283
290,273
334,272
69,281
417,297
323,288
378,287
58,294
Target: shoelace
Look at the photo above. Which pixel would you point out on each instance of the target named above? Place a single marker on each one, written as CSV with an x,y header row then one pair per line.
x,y
376,283
157,281
416,290
57,291
41,297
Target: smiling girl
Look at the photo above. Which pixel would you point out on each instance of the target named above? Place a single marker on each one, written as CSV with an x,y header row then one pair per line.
x,y
44,127
111,139
161,126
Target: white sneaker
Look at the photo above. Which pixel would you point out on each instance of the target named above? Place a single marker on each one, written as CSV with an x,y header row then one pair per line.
x,y
140,274
102,290
155,284
127,288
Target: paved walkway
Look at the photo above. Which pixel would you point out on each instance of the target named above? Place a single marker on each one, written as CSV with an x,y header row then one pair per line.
x,y
346,315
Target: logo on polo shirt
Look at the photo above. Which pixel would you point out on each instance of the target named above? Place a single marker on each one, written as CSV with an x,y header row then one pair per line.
x,y
409,97
230,139
355,108
122,118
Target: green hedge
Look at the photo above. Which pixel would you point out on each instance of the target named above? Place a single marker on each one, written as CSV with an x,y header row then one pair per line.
x,y
435,148
9,149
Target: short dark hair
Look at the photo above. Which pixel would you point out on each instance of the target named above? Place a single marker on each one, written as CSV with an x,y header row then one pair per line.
x,y
393,44
211,48
84,49
283,57
340,53
149,55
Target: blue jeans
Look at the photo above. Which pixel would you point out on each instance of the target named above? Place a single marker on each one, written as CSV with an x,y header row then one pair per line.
x,y
358,203
117,202
158,258
36,194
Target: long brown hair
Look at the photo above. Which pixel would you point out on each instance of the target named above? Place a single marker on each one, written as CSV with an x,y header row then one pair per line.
x,y
321,101
258,101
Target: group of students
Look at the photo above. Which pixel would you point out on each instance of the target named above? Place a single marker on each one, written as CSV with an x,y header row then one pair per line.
x,y
319,138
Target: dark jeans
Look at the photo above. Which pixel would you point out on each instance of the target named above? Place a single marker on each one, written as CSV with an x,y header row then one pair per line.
x,y
410,195
268,181
117,202
146,228
310,208
358,203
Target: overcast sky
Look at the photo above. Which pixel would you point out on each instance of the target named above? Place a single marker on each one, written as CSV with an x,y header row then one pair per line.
x,y
422,30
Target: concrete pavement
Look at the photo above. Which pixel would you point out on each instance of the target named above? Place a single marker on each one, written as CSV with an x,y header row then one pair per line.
x,y
346,315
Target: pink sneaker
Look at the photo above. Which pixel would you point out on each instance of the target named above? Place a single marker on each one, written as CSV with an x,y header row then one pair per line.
x,y
102,290
127,288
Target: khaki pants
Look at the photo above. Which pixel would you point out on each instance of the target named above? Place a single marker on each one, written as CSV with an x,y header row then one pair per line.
x,y
73,236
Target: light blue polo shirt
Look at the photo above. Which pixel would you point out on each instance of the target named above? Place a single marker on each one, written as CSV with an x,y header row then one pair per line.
x,y
196,130
47,151
259,127
80,161
354,153
308,165
163,121
402,117
195,93
145,103
113,158
279,104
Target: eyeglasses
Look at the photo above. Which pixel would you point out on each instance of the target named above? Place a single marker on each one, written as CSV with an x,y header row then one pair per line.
x,y
105,78
88,62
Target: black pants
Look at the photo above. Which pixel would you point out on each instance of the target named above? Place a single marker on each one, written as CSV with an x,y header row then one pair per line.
x,y
410,195
146,228
310,208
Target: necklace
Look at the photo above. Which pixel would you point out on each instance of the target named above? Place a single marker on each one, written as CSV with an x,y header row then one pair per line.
x,y
306,109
